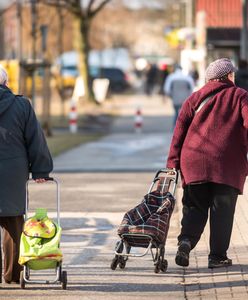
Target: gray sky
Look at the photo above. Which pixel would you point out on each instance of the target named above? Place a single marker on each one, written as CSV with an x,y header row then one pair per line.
x,y
137,4
133,4
4,3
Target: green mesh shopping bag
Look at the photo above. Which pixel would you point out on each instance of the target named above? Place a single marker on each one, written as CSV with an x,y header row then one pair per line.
x,y
40,239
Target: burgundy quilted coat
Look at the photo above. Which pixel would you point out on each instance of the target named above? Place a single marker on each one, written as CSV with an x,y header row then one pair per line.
x,y
211,145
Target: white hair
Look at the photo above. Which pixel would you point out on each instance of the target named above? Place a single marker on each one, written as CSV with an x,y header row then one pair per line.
x,y
3,75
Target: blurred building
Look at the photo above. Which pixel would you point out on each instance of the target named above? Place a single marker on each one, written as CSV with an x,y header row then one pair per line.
x,y
143,34
16,30
223,21
217,27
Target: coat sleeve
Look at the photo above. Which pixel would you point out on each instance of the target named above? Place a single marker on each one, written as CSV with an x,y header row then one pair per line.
x,y
183,122
244,110
40,160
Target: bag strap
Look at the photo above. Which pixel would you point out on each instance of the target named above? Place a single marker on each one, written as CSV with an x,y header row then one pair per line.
x,y
205,101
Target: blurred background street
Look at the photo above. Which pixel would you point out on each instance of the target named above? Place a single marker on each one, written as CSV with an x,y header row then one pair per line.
x,y
94,71
125,149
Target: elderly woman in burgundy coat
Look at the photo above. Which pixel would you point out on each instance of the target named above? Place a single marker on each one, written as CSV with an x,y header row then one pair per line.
x,y
209,147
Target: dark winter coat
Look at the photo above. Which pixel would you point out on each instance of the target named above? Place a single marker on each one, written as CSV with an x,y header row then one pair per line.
x,y
211,146
23,150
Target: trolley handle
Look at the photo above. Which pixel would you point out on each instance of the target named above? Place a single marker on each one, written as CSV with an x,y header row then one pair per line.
x,y
49,178
46,179
166,171
171,173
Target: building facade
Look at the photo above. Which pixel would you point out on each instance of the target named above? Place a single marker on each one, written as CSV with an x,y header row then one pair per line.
x,y
223,19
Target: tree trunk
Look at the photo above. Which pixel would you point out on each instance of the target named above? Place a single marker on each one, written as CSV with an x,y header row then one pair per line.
x,y
60,80
46,124
82,45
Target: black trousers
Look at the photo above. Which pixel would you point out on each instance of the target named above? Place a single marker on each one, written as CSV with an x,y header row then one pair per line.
x,y
12,229
217,200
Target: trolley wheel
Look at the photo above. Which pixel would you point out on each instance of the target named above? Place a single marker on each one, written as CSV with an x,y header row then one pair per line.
x,y
22,281
157,267
27,273
164,266
114,263
64,280
122,263
60,271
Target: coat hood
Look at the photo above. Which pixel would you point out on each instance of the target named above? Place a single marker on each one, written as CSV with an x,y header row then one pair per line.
x,y
6,98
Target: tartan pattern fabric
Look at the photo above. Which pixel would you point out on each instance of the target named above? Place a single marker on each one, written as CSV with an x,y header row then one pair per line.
x,y
151,217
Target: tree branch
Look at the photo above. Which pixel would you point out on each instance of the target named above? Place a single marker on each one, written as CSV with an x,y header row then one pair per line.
x,y
94,12
89,7
72,5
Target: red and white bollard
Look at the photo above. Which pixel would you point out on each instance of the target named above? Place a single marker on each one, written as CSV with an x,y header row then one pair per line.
x,y
73,118
138,121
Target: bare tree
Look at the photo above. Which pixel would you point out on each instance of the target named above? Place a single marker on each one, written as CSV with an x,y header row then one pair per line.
x,y
83,13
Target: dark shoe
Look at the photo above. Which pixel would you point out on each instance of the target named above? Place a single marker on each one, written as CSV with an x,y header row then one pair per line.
x,y
215,263
13,281
182,256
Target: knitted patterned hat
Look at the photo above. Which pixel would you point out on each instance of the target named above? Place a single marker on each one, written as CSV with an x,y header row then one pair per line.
x,y
219,68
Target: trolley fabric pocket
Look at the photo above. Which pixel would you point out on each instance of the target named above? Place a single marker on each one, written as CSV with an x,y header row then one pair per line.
x,y
151,217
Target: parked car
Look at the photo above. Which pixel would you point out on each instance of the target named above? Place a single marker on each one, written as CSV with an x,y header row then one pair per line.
x,y
66,76
118,80
109,63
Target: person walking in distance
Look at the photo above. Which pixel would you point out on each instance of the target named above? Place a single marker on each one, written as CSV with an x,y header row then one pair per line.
x,y
151,78
178,87
209,147
23,150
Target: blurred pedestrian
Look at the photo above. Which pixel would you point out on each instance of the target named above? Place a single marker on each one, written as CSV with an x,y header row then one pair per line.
x,y
209,147
151,78
178,87
195,75
241,76
163,74
23,149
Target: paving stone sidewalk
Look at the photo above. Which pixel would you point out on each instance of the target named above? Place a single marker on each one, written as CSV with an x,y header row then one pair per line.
x,y
199,282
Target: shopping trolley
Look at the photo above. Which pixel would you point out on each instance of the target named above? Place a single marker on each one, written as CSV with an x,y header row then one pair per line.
x,y
40,244
147,224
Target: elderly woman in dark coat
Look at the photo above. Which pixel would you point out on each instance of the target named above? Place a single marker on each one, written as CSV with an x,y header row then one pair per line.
x,y
209,147
23,150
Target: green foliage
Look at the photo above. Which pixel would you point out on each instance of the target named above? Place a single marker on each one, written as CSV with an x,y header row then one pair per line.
x,y
61,142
